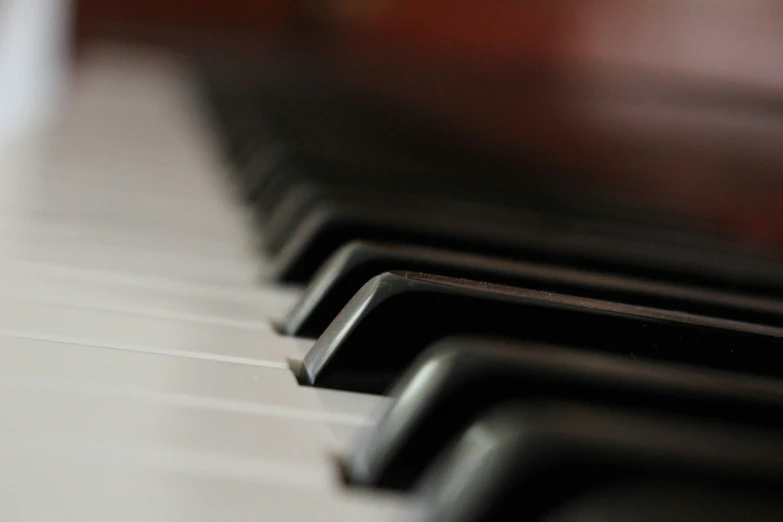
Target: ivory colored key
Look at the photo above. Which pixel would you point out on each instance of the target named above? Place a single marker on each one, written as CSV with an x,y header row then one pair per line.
x,y
64,290
267,387
164,333
299,442
102,482
150,262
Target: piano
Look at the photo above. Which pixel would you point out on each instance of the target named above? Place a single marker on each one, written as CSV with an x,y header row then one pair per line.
x,y
262,290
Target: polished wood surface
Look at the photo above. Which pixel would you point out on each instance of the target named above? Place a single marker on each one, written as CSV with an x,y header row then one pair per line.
x,y
674,102
176,21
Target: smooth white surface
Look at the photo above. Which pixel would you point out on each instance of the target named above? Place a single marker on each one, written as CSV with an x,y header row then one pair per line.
x,y
139,376
119,295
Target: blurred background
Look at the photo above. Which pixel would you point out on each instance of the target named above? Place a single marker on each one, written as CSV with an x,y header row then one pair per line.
x,y
672,104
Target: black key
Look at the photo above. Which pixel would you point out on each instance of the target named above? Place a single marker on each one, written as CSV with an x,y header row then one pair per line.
x,y
357,262
396,315
259,164
523,461
388,203
320,225
457,379
301,122
330,136
324,225
348,171
303,196
672,501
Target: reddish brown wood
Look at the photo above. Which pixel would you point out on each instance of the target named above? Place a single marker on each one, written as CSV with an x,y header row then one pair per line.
x,y
176,22
675,102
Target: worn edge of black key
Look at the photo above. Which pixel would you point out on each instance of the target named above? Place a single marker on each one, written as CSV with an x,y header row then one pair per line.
x,y
457,378
356,262
517,447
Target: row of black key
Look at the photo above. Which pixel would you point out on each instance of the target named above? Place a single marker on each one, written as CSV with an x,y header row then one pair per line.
x,y
316,191
605,375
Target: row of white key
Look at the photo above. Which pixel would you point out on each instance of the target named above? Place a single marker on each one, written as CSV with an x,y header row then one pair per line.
x,y
140,376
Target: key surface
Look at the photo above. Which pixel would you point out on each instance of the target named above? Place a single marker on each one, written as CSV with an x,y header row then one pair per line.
x,y
324,225
458,379
95,482
166,333
397,315
673,501
190,304
521,461
357,262
120,231
268,387
300,444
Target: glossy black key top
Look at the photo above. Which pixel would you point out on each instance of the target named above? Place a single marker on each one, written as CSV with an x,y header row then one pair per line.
x,y
672,501
457,379
385,209
319,226
345,171
395,316
358,262
523,461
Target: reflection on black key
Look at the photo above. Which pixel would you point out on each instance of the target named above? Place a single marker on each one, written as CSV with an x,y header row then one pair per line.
x,y
396,315
358,262
458,378
672,501
523,461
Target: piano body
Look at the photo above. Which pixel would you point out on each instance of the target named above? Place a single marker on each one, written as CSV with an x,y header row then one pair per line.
x,y
395,261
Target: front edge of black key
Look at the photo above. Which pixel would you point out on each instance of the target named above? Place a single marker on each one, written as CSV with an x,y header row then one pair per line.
x,y
357,262
459,377
521,461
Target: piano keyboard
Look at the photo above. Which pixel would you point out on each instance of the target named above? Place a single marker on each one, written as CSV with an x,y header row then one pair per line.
x,y
155,364
141,376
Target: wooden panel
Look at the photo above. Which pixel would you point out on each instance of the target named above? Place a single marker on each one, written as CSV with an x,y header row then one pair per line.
x,y
178,20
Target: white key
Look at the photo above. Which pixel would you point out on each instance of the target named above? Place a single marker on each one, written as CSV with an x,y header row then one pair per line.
x,y
301,443
261,293
140,378
253,342
143,238
56,289
149,262
44,481
177,380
